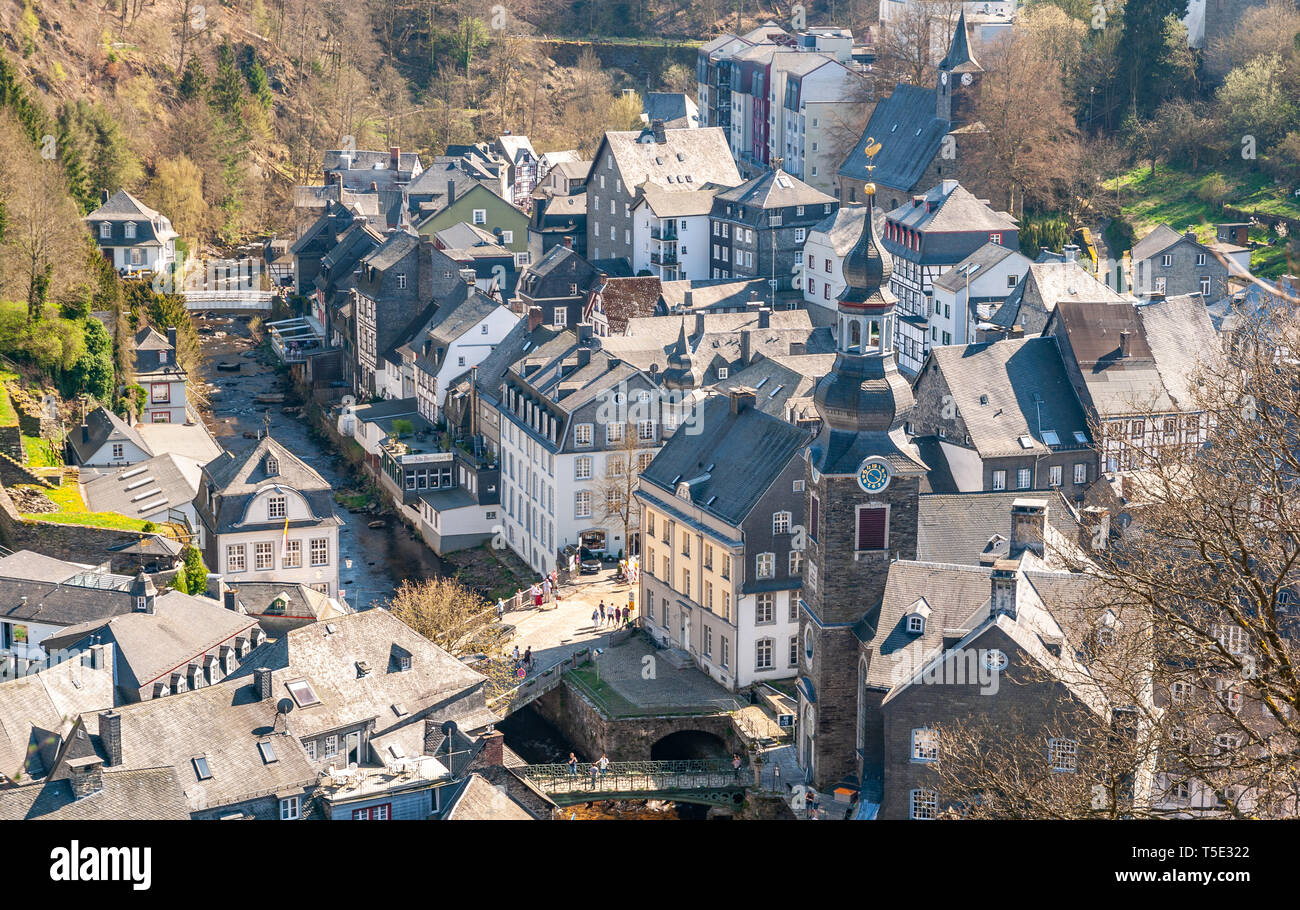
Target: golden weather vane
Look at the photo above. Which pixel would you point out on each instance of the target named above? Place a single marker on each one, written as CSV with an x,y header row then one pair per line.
x,y
870,150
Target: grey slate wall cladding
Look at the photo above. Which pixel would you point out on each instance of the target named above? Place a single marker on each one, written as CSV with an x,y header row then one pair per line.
x,y
1183,275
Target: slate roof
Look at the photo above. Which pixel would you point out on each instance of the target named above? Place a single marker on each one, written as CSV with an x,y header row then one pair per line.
x,y
1043,288
222,723
122,206
1182,339
86,598
103,426
955,210
493,368
235,480
149,344
986,257
731,463
1159,239
151,646
579,386
958,597
398,245
1012,390
675,109
687,159
957,527
480,801
665,203
436,682
32,566
843,228
905,153
775,189
715,293
300,601
37,710
366,159
142,489
149,794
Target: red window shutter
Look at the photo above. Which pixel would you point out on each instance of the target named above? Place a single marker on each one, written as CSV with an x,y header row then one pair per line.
x,y
871,529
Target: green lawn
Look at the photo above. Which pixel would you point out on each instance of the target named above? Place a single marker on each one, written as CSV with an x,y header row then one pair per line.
x,y
8,416
41,453
1170,198
73,511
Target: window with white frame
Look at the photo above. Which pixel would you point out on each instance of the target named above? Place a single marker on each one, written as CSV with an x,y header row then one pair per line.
x,y
292,555
582,434
275,507
1063,754
924,805
613,433
763,654
235,558
796,562
645,430
765,565
781,523
480,216
289,809
999,480
1080,472
1022,479
925,744
582,504
582,467
263,556
320,551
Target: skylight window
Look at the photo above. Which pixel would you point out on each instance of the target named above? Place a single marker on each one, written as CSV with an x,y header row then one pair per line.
x,y
1080,437
303,693
1026,442
268,751
1050,437
201,768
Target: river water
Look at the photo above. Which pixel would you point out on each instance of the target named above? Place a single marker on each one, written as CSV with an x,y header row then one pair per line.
x,y
373,560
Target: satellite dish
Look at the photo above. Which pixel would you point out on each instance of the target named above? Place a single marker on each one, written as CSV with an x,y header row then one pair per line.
x,y
448,728
284,706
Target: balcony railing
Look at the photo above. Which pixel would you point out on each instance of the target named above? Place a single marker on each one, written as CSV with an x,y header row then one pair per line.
x,y
664,232
667,257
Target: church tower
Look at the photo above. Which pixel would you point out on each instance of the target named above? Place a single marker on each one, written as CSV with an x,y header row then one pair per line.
x,y
863,478
959,78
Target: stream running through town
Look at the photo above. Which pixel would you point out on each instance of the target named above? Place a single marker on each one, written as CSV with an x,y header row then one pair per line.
x,y
374,561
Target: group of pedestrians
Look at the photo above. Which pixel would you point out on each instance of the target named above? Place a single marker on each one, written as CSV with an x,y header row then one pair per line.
x,y
597,771
523,661
607,616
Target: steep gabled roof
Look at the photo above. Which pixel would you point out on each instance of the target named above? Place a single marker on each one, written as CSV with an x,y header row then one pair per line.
x,y
775,189
122,206
103,426
910,134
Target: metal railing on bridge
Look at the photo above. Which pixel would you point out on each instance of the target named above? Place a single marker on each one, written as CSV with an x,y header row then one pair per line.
x,y
641,778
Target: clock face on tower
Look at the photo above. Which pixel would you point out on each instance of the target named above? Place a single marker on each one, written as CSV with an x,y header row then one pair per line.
x,y
943,77
967,78
874,475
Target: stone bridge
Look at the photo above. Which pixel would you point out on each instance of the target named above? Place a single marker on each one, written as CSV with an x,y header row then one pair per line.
x,y
704,781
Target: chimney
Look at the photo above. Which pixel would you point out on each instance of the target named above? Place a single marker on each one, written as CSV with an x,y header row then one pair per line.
x,y
742,398
86,776
1125,343
494,753
99,656
171,336
1028,525
1004,588
764,317
432,736
584,357
688,300
110,734
103,197
746,346
216,586
754,303
374,187
798,347
395,158
1190,235
85,432
657,127
699,322
584,333
262,683
451,191
568,241
228,600
1071,252
534,317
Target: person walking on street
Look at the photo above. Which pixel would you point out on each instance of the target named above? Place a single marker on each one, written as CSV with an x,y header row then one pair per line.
x,y
602,611
604,765
536,593
618,615
516,655
501,608
546,590
595,618
594,772
573,765
528,657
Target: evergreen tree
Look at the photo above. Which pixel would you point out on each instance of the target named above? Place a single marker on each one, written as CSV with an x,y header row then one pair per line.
x,y
1145,56
258,85
196,572
227,94
194,81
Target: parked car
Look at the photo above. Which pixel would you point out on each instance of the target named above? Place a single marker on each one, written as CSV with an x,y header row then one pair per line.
x,y
589,562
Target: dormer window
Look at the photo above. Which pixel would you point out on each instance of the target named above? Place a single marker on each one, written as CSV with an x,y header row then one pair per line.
x,y
916,624
105,230
916,616
130,230
272,464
